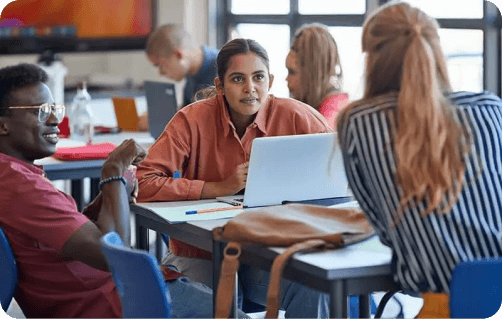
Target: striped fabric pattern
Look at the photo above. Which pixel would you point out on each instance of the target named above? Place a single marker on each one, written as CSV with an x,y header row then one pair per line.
x,y
426,249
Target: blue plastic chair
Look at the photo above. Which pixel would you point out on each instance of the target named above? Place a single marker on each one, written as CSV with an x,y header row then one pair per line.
x,y
139,281
8,272
476,289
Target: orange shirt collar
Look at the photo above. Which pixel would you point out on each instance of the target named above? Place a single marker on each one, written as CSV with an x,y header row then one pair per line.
x,y
260,120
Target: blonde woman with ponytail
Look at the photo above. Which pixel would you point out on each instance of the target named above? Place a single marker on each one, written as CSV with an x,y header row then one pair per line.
x,y
314,71
423,162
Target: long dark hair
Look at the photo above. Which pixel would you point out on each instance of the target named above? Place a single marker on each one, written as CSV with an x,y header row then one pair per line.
x,y
227,52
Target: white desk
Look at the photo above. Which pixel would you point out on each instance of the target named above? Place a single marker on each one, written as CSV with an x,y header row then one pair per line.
x,y
357,269
78,170
52,164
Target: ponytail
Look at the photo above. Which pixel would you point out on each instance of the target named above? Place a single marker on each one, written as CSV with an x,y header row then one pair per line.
x,y
404,56
427,145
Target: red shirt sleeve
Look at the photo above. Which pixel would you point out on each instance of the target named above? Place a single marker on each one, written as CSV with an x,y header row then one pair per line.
x,y
41,211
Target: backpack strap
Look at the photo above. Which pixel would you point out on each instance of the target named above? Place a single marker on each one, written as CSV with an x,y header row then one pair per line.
x,y
229,268
277,269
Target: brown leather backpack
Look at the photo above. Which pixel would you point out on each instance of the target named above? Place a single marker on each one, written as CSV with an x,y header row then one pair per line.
x,y
298,227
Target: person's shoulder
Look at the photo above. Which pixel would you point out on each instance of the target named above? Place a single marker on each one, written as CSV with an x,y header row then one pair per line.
x,y
463,99
381,103
288,109
335,97
210,51
199,110
20,178
289,105
12,169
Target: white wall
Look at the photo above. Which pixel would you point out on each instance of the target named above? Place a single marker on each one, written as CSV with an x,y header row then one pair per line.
x,y
129,64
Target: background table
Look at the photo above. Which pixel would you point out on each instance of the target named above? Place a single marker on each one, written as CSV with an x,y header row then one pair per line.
x,y
76,171
357,269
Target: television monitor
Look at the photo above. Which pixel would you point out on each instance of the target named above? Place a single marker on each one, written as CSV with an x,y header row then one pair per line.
x,y
37,26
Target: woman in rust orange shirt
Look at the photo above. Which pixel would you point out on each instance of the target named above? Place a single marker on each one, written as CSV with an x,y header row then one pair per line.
x,y
209,141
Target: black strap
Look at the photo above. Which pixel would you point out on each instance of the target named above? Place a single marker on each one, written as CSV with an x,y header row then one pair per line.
x,y
383,302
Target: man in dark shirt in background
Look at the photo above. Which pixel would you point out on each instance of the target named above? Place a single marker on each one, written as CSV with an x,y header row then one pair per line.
x,y
169,48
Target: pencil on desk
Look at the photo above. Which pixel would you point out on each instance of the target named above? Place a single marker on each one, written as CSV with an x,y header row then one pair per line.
x,y
212,210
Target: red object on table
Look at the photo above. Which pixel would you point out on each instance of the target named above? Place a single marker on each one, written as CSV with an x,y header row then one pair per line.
x,y
64,127
88,152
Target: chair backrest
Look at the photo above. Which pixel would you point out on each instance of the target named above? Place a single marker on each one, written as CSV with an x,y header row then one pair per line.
x,y
476,289
8,272
139,282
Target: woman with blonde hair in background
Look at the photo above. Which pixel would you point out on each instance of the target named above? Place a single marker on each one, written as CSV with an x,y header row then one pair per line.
x,y
423,162
314,71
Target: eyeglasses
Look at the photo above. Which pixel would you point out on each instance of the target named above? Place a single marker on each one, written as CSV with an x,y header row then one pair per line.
x,y
45,110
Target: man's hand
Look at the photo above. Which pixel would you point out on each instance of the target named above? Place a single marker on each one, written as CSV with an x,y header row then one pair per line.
x,y
127,153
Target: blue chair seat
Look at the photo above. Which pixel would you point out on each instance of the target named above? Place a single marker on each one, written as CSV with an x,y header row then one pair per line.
x,y
476,289
8,272
140,284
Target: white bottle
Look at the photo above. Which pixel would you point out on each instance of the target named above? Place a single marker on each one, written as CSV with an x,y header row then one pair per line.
x,y
81,117
56,70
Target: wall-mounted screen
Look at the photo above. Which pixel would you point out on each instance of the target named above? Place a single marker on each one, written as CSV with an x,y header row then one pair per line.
x,y
34,26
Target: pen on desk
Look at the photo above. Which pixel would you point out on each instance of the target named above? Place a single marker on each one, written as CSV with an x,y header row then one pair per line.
x,y
212,210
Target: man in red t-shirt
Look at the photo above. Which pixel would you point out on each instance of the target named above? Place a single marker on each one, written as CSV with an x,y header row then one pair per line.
x,y
62,271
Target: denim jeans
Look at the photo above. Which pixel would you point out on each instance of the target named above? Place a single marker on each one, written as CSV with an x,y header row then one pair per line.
x,y
297,300
192,299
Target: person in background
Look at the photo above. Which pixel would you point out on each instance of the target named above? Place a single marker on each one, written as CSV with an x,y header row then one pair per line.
x,y
62,271
422,161
314,71
169,49
208,144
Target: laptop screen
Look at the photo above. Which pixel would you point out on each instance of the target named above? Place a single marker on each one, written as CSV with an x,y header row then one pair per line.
x,y
161,105
294,168
297,168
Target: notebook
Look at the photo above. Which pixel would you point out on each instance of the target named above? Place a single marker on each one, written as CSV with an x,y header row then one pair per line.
x,y
295,168
126,113
161,105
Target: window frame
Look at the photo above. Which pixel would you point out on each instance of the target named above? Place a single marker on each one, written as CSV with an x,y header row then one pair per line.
x,y
222,21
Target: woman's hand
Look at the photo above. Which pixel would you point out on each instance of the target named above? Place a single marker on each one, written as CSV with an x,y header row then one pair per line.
x,y
230,186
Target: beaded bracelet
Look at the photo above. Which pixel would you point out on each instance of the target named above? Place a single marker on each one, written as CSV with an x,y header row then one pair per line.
x,y
111,179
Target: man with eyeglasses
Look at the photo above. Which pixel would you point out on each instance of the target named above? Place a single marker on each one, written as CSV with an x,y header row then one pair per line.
x,y
62,271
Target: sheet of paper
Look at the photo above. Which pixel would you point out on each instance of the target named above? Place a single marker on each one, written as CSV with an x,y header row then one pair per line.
x,y
352,204
178,214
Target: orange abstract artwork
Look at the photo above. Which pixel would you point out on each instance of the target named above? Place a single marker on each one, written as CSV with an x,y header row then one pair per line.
x,y
92,19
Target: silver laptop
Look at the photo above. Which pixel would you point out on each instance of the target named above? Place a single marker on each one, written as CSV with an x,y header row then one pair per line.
x,y
293,169
161,105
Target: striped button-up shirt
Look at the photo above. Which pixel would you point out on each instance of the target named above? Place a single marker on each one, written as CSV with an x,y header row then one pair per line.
x,y
427,249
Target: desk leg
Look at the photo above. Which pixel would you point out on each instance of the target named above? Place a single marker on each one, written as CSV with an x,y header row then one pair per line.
x,y
94,188
159,247
338,299
365,306
217,259
77,192
141,234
